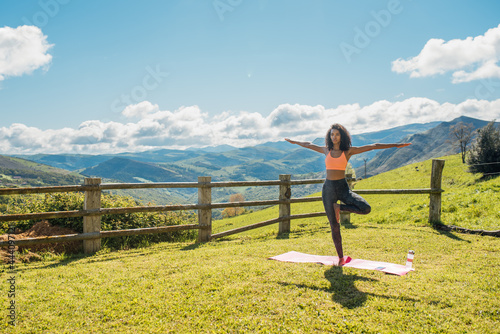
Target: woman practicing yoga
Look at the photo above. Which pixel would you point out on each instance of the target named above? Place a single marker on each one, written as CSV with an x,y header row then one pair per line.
x,y
338,151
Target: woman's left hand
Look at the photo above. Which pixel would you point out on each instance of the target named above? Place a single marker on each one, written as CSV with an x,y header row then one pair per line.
x,y
403,145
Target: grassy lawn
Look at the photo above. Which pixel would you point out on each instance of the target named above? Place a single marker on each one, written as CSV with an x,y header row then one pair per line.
x,y
230,286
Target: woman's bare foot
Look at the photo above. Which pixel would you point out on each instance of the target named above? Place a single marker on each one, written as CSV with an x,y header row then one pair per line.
x,y
336,208
341,261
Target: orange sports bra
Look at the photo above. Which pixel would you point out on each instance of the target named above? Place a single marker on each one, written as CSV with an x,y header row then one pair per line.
x,y
339,163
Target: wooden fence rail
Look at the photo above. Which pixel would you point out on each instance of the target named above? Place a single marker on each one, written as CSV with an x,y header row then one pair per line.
x,y
92,211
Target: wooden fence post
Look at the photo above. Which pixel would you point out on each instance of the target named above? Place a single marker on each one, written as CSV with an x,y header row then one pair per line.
x,y
345,217
435,198
204,215
284,208
92,223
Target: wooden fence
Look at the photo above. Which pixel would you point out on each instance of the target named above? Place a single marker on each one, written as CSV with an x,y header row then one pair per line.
x,y
92,210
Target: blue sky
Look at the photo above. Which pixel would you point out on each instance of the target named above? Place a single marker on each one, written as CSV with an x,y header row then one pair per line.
x,y
110,76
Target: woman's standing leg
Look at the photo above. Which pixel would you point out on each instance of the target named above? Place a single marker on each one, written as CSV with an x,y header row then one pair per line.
x,y
330,197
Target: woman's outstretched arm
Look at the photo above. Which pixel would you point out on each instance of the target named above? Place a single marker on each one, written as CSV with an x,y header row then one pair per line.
x,y
366,148
309,145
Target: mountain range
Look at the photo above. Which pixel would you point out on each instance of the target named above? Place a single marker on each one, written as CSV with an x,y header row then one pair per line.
x,y
261,162
435,142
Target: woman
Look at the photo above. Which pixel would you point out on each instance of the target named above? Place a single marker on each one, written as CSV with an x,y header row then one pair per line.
x,y
338,151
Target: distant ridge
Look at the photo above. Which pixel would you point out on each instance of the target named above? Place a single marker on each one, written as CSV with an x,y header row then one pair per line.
x,y
432,143
69,162
393,135
128,170
214,149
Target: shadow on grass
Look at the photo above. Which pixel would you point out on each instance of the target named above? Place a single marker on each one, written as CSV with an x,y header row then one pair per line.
x,y
345,292
41,264
89,258
442,229
487,177
197,245
281,236
344,288
107,255
452,236
347,224
300,231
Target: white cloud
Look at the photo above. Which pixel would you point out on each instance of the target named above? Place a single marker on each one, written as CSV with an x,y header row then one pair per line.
x,y
469,59
141,109
22,50
189,126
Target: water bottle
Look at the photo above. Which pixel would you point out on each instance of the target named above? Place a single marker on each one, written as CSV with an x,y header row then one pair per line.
x,y
409,259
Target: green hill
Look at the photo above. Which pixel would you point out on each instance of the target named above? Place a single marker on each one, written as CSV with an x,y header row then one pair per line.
x,y
229,285
16,172
125,170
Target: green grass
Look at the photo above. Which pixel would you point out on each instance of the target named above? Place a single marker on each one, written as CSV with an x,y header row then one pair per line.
x,y
229,285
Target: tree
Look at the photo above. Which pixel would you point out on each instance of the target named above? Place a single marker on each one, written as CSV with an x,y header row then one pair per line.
x,y
231,212
484,156
350,170
463,134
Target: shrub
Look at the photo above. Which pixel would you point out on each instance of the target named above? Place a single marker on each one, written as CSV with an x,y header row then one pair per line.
x,y
484,156
74,201
236,211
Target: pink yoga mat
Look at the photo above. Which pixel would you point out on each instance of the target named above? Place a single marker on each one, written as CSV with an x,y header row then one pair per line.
x,y
386,267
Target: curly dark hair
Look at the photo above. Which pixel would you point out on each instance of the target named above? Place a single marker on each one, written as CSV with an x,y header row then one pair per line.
x,y
345,138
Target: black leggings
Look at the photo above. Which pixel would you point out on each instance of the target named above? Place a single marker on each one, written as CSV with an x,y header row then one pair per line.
x,y
338,190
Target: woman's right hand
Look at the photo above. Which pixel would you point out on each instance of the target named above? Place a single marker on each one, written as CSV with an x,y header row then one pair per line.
x,y
290,141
